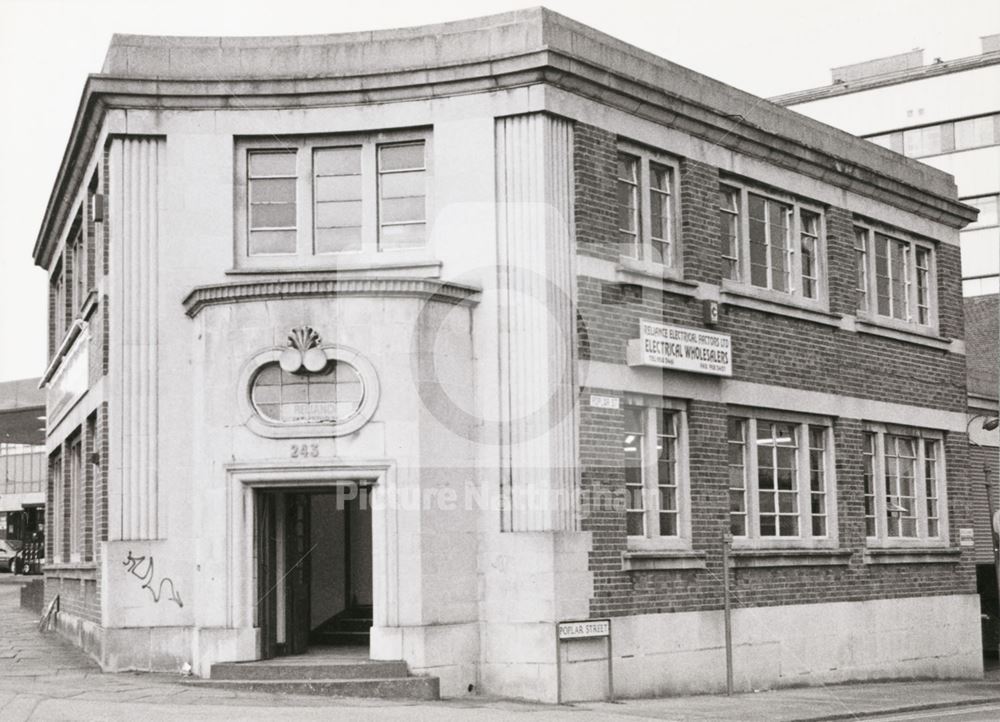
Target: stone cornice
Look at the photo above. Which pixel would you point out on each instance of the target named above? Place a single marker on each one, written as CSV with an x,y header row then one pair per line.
x,y
328,287
548,49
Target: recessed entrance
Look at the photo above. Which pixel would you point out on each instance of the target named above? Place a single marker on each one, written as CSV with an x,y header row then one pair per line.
x,y
314,569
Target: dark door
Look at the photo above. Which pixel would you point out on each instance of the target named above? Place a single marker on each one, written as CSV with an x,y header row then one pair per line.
x,y
297,547
267,576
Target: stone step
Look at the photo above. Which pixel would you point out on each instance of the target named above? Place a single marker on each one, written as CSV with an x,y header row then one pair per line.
x,y
425,688
279,671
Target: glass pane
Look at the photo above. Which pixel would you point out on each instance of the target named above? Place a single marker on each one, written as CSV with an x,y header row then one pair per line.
x,y
788,525
337,161
338,214
779,227
659,177
338,188
787,503
668,524
633,524
882,274
758,242
406,236
263,242
767,503
336,240
736,502
272,190
396,210
626,207
272,215
271,164
819,526
898,271
738,525
659,212
403,185
628,167
767,526
401,157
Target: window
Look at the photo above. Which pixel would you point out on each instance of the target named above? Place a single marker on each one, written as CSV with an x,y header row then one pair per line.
x,y
78,272
655,475
780,481
57,288
647,208
976,132
309,201
332,394
988,215
55,538
861,265
75,497
729,232
904,485
770,243
942,137
897,276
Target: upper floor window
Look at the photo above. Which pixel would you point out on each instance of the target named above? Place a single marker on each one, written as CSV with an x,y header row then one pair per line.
x,y
781,480
770,243
988,215
942,137
904,485
897,276
57,292
656,489
310,201
647,208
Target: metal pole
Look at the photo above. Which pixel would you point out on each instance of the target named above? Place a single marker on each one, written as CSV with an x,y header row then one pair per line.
x,y
727,540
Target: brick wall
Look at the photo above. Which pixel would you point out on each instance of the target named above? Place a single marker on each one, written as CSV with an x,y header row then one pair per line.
x,y
699,196
768,349
595,169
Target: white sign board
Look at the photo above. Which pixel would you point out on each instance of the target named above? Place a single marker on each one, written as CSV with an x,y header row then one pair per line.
x,y
584,629
604,402
682,349
966,537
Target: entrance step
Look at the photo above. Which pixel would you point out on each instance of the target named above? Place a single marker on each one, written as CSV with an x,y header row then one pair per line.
x,y
423,688
276,671
323,674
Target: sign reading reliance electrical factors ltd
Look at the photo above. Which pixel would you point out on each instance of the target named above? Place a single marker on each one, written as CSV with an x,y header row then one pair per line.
x,y
584,629
681,349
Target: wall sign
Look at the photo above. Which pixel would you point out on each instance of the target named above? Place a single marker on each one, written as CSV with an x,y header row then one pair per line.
x,y
604,402
584,629
681,349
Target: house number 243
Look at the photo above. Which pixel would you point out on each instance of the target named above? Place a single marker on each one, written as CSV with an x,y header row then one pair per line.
x,y
305,451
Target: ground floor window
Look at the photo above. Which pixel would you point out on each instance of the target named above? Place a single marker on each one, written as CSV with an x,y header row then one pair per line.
x,y
904,485
781,480
656,477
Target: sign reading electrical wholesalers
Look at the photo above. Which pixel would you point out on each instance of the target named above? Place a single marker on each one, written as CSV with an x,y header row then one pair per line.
x,y
681,349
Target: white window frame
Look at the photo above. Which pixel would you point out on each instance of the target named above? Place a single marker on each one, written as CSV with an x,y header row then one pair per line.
x,y
305,257
920,437
793,252
643,246
801,423
911,322
651,408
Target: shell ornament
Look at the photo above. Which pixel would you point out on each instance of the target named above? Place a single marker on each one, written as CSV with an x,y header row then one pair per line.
x,y
303,354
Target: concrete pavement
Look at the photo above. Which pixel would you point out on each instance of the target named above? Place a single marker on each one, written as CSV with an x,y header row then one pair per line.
x,y
42,678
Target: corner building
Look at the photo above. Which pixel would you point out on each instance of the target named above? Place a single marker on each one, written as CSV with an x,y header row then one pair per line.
x,y
465,330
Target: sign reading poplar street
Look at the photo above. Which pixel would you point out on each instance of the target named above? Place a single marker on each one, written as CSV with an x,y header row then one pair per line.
x,y
682,349
584,629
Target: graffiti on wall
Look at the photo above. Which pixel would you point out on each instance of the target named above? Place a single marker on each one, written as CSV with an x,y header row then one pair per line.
x,y
148,577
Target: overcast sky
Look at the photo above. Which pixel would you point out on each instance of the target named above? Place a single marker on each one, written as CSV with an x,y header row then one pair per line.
x,y
47,48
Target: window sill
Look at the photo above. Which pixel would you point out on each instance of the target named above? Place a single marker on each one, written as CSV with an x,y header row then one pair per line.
x,y
70,568
353,268
740,295
667,559
653,275
751,558
923,336
941,555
